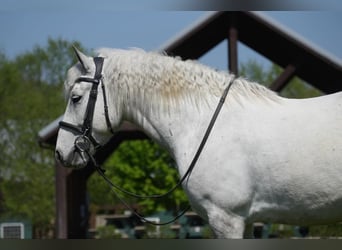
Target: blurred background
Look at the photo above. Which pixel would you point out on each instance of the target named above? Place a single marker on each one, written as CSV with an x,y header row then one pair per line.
x,y
35,52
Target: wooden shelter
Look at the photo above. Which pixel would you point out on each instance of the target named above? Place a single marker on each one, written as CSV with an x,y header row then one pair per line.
x,y
281,46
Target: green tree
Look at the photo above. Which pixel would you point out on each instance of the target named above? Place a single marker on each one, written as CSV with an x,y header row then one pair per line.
x,y
31,96
144,168
296,88
108,232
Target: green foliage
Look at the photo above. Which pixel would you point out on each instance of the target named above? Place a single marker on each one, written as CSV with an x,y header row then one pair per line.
x,y
108,232
159,232
254,72
296,88
208,232
281,231
31,96
326,231
140,167
299,89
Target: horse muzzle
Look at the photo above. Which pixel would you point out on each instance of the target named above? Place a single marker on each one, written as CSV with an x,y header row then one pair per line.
x,y
75,159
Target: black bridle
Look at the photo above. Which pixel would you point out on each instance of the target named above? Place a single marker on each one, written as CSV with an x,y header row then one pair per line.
x,y
85,139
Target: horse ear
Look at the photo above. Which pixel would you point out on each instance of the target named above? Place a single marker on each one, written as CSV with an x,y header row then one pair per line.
x,y
83,59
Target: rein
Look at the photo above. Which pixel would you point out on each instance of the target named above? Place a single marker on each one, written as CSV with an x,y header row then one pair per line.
x,y
85,139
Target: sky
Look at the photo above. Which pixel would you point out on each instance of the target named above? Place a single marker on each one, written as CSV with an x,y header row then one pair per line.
x,y
25,24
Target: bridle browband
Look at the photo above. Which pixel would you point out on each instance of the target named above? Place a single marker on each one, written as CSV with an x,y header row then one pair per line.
x,y
85,138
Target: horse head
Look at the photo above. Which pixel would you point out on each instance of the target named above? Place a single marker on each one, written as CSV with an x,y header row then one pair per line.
x,y
86,124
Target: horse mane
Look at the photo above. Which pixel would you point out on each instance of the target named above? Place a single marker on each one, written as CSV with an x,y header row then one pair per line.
x,y
160,81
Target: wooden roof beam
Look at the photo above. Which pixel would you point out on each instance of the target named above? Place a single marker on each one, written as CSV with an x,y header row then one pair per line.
x,y
284,77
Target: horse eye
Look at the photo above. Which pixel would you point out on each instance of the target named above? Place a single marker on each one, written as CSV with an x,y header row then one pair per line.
x,y
76,98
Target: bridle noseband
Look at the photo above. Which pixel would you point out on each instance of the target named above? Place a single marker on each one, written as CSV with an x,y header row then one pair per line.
x,y
85,139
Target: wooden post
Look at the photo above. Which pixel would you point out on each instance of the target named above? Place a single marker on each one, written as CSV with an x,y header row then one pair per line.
x,y
78,213
284,77
61,201
233,48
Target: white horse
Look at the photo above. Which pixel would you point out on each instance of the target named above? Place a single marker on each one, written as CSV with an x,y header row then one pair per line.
x,y
267,159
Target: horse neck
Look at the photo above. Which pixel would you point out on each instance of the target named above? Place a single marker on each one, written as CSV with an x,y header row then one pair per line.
x,y
170,116
178,131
